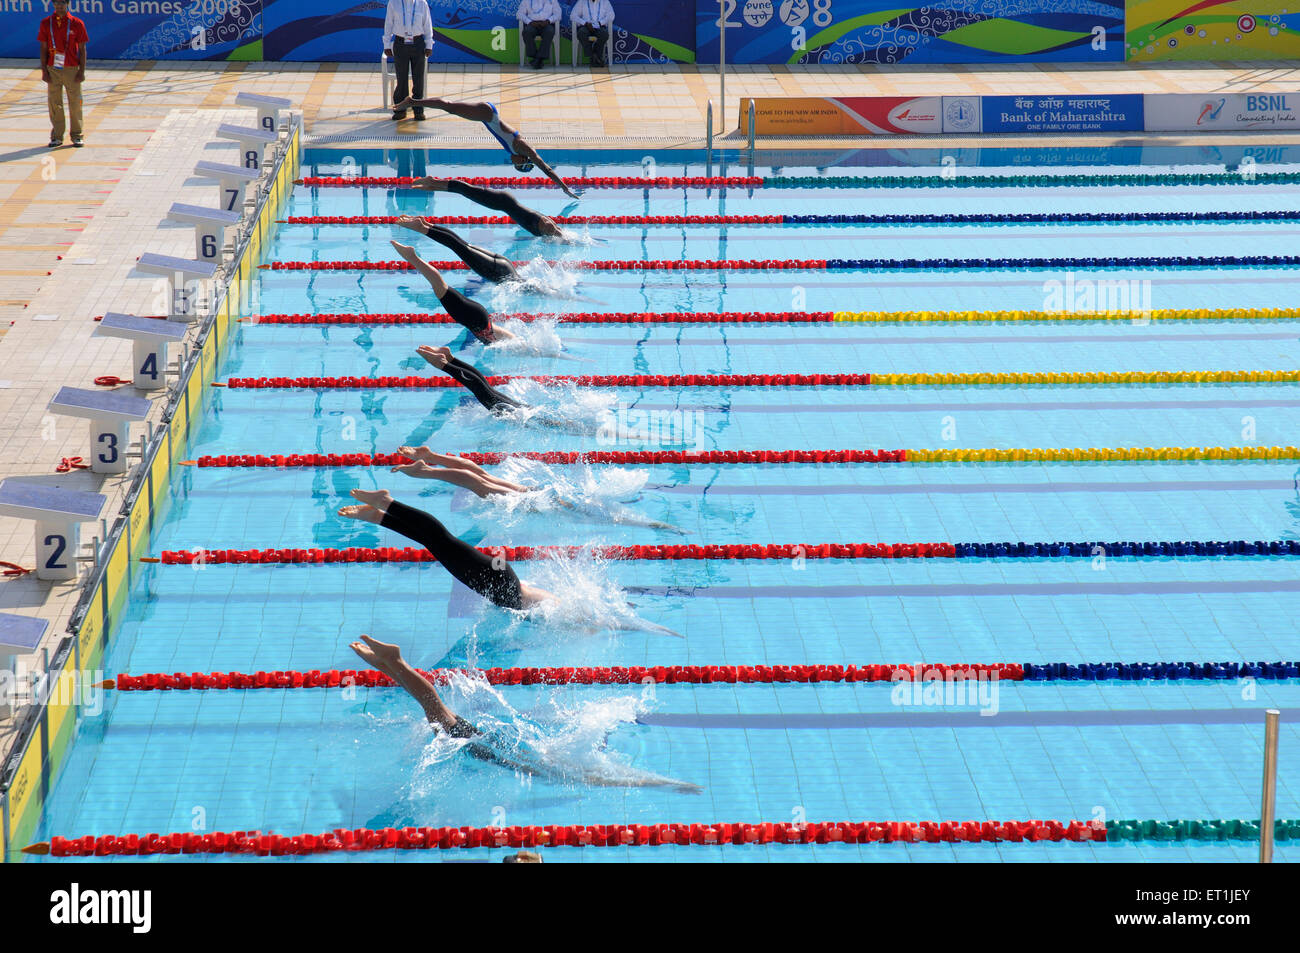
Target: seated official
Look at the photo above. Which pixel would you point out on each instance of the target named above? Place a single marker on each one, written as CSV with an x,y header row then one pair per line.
x,y
539,19
592,21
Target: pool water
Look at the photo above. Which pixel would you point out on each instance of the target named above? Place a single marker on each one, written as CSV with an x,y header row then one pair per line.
x,y
313,760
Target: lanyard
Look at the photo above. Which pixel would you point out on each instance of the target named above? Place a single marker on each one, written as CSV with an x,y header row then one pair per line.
x,y
67,26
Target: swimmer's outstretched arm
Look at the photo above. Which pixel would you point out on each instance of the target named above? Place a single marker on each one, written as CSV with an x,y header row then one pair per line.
x,y
531,154
388,659
641,625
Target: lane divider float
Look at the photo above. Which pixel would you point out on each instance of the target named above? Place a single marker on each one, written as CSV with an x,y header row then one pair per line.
x,y
783,380
946,218
781,551
837,264
802,317
986,455
260,844
1013,181
717,675
599,835
524,182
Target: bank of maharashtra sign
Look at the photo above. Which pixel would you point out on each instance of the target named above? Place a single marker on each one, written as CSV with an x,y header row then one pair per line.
x,y
1191,112
1123,113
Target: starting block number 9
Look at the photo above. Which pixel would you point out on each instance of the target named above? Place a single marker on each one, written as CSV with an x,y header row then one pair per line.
x,y
268,123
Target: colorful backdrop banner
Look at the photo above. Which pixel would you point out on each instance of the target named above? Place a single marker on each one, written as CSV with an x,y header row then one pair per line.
x,y
143,29
880,31
1207,30
468,31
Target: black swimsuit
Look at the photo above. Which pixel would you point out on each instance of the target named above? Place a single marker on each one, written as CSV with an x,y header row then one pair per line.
x,y
485,264
469,314
521,215
476,570
463,729
477,384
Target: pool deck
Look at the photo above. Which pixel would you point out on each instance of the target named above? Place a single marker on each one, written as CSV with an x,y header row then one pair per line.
x,y
73,221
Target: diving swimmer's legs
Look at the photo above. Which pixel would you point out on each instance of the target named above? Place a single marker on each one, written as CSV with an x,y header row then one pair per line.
x,y
468,313
469,376
456,470
487,265
388,659
491,577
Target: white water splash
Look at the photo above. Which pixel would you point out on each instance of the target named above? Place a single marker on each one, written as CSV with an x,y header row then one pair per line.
x,y
586,599
594,494
537,338
536,277
554,740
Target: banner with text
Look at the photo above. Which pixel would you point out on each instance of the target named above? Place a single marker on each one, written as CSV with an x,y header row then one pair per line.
x,y
880,31
143,29
1274,112
1123,113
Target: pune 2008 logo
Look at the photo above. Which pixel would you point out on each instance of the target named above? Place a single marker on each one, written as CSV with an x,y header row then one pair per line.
x,y
757,12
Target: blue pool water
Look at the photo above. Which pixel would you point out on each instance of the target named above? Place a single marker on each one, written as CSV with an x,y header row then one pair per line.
x,y
309,761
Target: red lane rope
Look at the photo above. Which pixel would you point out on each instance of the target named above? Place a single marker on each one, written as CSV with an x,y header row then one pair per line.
x,y
560,457
574,835
13,569
585,380
68,464
558,219
692,264
408,554
524,182
633,675
581,317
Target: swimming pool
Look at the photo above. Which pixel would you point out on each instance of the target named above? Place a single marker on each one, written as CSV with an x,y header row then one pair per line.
x,y
313,760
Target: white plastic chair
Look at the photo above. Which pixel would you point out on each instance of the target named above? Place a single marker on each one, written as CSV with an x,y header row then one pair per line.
x,y
555,43
609,46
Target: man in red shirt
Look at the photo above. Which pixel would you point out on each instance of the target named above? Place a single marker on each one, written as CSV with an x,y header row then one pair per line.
x,y
63,66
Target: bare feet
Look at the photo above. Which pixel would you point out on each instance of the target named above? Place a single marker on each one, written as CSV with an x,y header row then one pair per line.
x,y
429,184
437,356
378,499
366,514
418,454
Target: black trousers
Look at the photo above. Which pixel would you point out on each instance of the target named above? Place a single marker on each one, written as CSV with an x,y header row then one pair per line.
x,y
409,64
593,40
531,33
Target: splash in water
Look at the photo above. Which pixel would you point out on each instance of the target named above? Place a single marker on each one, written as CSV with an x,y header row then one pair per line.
x,y
594,494
537,276
555,740
537,338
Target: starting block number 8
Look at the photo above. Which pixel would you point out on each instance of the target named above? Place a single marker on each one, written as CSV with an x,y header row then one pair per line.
x,y
253,159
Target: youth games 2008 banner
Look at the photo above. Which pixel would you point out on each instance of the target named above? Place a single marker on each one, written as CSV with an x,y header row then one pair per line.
x,y
882,31
143,29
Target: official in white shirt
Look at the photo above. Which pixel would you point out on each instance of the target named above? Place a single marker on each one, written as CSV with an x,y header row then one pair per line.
x,y
591,20
539,19
408,40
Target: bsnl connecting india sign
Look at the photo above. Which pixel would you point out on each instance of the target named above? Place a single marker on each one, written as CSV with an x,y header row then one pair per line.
x,y
932,115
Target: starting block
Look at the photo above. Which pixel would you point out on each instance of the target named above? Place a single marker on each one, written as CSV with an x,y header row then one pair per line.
x,y
110,415
252,143
210,226
58,515
268,109
232,180
150,339
182,306
19,635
